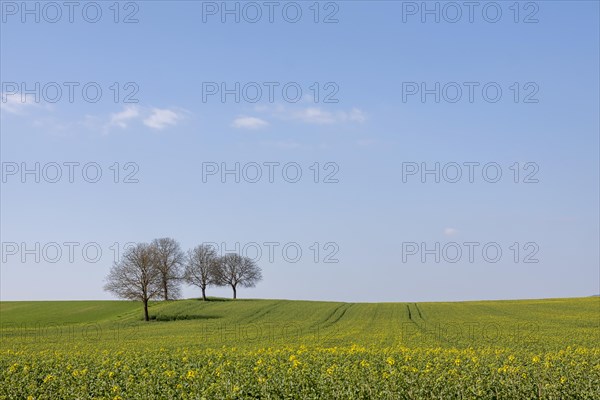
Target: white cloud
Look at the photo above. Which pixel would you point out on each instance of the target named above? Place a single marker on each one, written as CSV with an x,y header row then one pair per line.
x,y
315,115
15,103
254,123
357,115
155,118
450,231
122,118
161,118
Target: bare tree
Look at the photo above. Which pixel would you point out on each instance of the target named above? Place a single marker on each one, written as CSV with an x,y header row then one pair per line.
x,y
135,276
201,265
169,261
234,270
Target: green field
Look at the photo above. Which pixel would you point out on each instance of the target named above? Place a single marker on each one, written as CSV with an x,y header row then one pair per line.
x,y
275,349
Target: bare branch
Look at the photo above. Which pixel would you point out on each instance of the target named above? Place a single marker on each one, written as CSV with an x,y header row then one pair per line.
x,y
135,276
169,261
234,270
201,266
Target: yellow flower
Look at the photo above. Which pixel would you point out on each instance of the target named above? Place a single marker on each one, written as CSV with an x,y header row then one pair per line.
x,y
390,361
563,379
191,374
48,378
169,374
535,359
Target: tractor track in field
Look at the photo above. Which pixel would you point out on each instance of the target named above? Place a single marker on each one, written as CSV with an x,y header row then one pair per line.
x,y
342,313
261,312
332,319
331,314
419,311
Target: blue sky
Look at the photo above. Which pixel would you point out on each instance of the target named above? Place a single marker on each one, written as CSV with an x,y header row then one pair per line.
x,y
370,217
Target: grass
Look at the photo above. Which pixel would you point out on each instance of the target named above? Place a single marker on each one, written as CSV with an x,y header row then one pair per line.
x,y
483,349
534,323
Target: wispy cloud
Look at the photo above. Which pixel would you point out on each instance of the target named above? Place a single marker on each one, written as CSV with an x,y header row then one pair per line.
x,y
161,118
253,123
16,103
314,115
450,232
154,118
121,119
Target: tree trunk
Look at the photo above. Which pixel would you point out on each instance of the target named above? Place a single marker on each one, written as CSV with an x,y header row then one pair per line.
x,y
234,292
166,291
146,316
204,294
